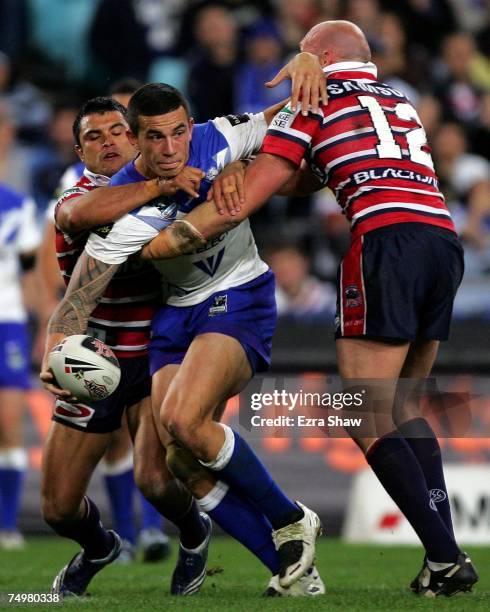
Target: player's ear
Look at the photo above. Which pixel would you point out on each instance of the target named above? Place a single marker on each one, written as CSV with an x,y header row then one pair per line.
x,y
325,59
132,139
191,125
79,152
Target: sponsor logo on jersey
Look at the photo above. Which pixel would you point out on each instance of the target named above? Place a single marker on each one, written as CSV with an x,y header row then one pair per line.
x,y
211,174
283,119
167,208
220,305
74,413
103,230
69,193
211,264
237,119
352,296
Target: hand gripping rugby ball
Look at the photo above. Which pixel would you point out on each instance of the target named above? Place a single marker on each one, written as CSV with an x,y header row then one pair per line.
x,y
85,366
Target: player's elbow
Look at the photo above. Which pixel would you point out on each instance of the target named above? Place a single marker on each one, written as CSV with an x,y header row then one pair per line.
x,y
75,221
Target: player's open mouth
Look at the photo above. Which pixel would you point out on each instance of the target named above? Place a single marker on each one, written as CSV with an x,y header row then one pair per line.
x,y
111,155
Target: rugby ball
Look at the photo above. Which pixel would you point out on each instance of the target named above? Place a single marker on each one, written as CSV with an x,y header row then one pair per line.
x,y
86,367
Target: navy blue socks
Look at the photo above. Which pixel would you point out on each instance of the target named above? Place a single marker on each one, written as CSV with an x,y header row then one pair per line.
x,y
423,442
398,470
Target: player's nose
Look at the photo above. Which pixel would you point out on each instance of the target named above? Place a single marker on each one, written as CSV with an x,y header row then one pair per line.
x,y
168,147
109,141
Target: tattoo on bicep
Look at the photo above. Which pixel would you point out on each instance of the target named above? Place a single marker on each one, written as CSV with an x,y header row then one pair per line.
x,y
87,284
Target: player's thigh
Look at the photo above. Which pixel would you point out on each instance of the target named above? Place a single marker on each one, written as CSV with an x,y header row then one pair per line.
x,y
120,444
160,384
12,404
359,358
420,358
372,368
69,459
215,368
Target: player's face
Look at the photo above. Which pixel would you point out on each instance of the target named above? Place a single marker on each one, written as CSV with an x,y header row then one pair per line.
x,y
163,141
104,145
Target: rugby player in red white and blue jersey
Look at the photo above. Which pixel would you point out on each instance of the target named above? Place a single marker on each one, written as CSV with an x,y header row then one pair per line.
x,y
81,432
397,283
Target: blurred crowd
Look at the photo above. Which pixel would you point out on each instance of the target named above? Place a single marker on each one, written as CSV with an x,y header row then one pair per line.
x,y
54,54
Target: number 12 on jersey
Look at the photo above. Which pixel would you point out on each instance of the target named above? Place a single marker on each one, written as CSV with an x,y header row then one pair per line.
x,y
387,147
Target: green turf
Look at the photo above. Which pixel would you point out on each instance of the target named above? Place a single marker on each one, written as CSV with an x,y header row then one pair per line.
x,y
357,577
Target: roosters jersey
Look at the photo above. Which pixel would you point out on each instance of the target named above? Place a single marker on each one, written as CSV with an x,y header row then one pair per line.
x,y
369,147
226,261
123,316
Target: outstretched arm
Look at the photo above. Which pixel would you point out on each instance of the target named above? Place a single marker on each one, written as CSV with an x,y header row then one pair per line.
x,y
265,175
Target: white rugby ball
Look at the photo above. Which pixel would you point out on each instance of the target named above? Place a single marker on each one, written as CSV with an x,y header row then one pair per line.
x,y
86,367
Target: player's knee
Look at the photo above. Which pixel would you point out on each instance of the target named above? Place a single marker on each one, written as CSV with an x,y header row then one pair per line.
x,y
184,465
58,510
151,481
184,428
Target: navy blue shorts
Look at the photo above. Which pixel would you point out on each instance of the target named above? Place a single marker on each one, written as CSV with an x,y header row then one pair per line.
x,y
105,416
246,312
14,356
399,283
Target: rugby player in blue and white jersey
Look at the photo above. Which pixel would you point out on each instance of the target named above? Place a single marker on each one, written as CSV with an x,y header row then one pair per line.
x,y
212,336
19,238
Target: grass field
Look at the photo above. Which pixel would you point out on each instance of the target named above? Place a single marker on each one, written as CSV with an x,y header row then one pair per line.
x,y
357,578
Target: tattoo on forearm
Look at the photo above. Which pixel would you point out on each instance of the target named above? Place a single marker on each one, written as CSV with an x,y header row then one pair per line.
x,y
186,237
179,238
87,284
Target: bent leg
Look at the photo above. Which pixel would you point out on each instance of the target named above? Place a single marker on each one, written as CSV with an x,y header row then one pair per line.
x,y
235,514
390,456
215,368
416,430
172,500
69,459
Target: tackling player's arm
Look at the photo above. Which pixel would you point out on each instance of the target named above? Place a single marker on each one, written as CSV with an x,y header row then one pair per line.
x,y
302,183
106,204
88,282
265,175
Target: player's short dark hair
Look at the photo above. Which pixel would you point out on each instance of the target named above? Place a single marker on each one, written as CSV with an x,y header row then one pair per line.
x,y
99,105
154,99
125,86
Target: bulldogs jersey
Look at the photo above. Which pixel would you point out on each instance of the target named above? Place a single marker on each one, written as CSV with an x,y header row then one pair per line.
x,y
369,147
229,260
18,235
123,316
